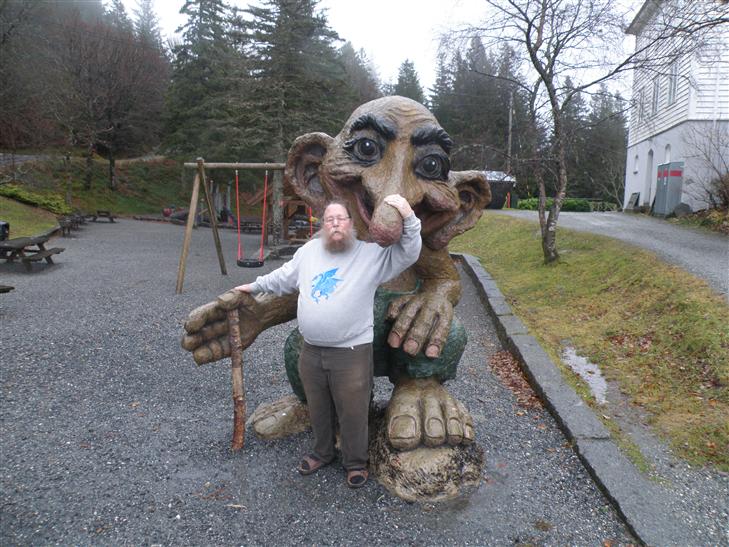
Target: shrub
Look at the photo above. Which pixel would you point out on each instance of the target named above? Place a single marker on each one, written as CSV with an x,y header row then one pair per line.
x,y
569,204
50,202
719,191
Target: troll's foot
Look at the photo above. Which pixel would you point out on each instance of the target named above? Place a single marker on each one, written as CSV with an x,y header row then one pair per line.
x,y
281,418
421,411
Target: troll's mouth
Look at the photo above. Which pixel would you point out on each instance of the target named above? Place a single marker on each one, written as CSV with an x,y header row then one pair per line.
x,y
365,206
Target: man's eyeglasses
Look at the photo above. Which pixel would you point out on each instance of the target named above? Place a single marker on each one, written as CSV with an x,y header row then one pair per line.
x,y
330,220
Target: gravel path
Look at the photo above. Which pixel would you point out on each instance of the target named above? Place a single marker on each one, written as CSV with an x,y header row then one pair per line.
x,y
704,254
111,435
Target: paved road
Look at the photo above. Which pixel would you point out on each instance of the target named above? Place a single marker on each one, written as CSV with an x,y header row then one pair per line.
x,y
111,435
6,160
706,255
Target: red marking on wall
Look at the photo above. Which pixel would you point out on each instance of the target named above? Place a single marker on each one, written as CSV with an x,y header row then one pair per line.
x,y
666,173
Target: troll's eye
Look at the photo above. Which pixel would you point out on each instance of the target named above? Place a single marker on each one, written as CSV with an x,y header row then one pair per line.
x,y
367,149
433,167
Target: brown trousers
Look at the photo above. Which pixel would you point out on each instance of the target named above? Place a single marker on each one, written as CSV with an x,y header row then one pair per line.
x,y
337,383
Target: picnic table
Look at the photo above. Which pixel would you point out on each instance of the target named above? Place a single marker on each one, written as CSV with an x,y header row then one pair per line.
x,y
102,213
28,250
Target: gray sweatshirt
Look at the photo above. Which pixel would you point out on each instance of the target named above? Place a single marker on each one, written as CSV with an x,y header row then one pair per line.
x,y
337,290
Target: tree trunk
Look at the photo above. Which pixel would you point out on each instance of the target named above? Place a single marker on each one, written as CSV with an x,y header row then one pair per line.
x,y
89,166
549,240
277,191
112,170
277,206
67,167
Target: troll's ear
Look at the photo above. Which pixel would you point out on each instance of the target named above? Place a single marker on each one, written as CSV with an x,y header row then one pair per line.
x,y
302,168
474,193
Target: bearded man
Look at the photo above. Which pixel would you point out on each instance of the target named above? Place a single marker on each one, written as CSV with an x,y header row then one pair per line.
x,y
337,276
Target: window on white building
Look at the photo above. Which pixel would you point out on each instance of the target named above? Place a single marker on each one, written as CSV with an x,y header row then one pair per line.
x,y
635,164
672,82
641,105
655,95
667,154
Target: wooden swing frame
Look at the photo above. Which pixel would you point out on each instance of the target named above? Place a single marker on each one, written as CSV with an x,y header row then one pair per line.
x,y
200,180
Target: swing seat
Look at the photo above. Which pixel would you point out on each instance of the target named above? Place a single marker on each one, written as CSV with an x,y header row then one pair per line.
x,y
249,263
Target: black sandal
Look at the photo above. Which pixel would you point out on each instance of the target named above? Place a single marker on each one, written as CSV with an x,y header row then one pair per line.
x,y
310,464
357,478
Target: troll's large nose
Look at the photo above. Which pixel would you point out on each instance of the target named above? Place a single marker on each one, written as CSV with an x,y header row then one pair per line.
x,y
386,223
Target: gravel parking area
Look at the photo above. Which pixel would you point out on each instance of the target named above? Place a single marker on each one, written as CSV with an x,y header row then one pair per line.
x,y
111,435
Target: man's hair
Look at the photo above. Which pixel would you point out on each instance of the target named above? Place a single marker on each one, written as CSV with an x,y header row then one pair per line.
x,y
339,202
352,227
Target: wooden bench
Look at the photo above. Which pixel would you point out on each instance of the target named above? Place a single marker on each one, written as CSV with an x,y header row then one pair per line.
x,y
68,223
66,226
40,255
101,213
79,216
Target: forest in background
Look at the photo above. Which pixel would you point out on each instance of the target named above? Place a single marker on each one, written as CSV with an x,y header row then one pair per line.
x,y
86,77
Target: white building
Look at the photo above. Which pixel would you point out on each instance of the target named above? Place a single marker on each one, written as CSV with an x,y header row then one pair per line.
x,y
678,138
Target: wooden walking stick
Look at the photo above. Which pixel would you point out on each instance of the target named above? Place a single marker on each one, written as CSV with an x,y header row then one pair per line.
x,y
239,396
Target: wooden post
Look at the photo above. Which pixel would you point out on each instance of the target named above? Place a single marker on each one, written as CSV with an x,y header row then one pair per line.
x,y
236,370
188,233
211,212
278,205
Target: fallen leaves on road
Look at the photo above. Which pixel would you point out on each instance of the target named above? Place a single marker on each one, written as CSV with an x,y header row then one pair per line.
x,y
505,366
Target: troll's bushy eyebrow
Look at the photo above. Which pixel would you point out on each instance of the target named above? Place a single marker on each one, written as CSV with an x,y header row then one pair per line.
x,y
370,121
432,135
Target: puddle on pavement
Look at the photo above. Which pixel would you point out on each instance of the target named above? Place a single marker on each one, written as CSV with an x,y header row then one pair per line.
x,y
588,371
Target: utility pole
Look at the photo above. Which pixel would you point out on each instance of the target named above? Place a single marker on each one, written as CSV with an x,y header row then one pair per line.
x,y
508,145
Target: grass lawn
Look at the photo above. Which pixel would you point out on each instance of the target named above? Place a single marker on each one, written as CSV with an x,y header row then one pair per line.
x,y
661,333
25,220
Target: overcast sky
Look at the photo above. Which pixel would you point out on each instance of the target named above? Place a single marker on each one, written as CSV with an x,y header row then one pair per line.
x,y
390,31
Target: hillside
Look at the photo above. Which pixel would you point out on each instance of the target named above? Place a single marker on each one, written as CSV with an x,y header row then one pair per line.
x,y
142,186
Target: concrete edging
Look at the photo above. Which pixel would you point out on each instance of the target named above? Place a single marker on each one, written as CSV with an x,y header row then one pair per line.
x,y
630,492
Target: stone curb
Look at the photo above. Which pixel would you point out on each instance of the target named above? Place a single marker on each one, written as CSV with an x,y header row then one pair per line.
x,y
635,499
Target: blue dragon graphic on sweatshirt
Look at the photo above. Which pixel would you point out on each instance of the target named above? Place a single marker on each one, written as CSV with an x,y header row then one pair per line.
x,y
324,284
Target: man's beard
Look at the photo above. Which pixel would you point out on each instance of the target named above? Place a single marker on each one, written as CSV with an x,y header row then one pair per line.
x,y
340,245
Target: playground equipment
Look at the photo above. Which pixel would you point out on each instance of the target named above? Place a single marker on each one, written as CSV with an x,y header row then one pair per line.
x,y
199,181
289,206
251,262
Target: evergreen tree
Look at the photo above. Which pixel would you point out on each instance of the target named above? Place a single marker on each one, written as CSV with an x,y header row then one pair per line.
x,y
574,124
441,94
295,77
154,74
408,83
199,115
605,147
388,89
117,16
485,119
89,11
526,137
361,77
146,25
459,118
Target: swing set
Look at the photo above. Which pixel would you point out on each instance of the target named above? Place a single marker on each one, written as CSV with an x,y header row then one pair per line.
x,y
200,180
241,259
